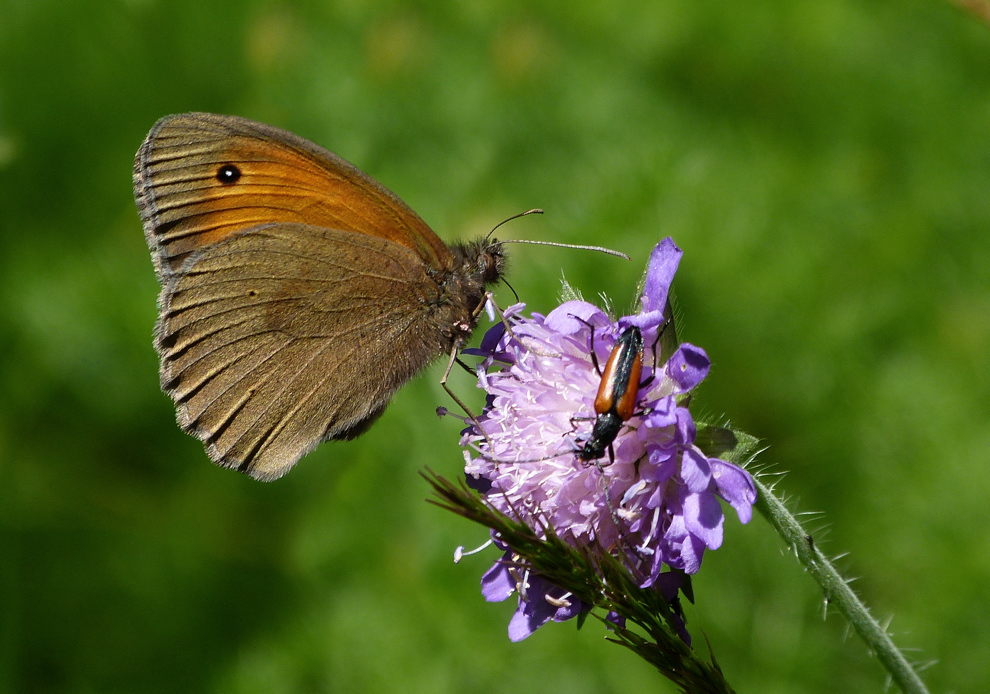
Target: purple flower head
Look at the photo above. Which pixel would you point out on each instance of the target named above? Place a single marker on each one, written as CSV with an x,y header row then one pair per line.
x,y
652,498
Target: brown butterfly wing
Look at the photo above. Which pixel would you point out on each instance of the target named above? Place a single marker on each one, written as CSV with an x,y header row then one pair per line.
x,y
282,178
268,349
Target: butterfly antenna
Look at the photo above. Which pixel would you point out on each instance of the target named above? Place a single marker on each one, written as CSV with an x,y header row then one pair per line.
x,y
515,216
600,249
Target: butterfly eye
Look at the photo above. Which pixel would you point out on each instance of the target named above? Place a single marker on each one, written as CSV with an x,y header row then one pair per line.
x,y
228,173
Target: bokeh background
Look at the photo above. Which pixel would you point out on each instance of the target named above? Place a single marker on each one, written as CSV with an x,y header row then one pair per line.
x,y
824,165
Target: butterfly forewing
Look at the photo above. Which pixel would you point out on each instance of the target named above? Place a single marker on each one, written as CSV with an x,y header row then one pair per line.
x,y
187,202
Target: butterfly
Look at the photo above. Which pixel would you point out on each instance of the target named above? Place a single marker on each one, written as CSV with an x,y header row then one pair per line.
x,y
298,293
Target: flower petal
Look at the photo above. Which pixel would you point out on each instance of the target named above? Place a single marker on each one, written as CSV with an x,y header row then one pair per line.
x,y
686,430
668,583
477,482
687,367
616,619
523,623
536,610
680,549
703,518
664,259
695,470
663,465
565,318
497,584
735,486
648,323
663,414
491,339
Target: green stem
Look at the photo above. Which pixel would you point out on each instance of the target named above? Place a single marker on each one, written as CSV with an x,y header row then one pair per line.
x,y
837,591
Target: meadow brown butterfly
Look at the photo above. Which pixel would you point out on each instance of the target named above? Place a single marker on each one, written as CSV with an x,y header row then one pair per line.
x,y
298,294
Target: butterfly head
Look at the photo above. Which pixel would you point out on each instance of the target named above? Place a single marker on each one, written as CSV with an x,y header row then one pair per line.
x,y
481,261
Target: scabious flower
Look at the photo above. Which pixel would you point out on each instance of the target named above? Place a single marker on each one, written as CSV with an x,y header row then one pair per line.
x,y
652,499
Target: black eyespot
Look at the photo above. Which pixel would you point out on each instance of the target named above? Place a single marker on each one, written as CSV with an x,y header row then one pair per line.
x,y
228,173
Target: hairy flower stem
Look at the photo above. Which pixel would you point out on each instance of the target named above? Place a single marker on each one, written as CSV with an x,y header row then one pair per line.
x,y
837,591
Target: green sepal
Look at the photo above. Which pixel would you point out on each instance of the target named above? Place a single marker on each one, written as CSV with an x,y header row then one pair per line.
x,y
722,442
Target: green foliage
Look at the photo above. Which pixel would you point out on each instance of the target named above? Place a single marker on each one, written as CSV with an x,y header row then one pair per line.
x,y
825,168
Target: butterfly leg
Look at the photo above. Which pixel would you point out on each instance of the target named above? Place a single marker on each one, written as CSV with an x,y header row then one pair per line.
x,y
443,384
489,298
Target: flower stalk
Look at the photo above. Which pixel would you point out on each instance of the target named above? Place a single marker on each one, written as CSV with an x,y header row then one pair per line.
x,y
837,590
739,447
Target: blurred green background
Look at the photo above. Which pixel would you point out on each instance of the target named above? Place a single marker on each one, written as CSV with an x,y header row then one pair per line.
x,y
824,165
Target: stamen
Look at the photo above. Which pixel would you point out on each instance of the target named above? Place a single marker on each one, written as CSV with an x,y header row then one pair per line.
x,y
459,553
523,585
562,601
444,412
